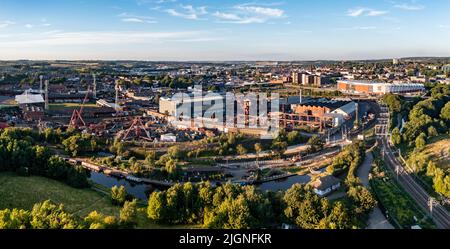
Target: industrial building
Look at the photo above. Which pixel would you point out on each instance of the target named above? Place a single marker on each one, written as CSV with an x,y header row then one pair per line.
x,y
171,106
378,88
323,112
293,111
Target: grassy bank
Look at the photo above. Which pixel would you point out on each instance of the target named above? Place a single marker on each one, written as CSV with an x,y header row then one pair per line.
x,y
23,192
402,210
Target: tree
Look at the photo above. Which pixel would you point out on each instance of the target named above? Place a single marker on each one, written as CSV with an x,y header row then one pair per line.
x,y
315,144
445,112
175,152
156,207
432,132
420,141
441,182
279,148
293,137
171,167
241,150
71,145
77,177
95,220
396,138
47,215
132,160
394,102
338,217
258,150
128,213
232,214
14,219
118,195
303,207
136,168
362,199
150,159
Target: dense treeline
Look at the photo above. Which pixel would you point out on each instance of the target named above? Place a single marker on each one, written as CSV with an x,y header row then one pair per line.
x,y
18,153
428,116
235,207
349,160
427,119
47,215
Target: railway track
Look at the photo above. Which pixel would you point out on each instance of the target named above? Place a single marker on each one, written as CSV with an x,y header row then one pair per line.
x,y
439,214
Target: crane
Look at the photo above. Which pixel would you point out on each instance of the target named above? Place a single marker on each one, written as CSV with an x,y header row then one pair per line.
x,y
138,126
77,115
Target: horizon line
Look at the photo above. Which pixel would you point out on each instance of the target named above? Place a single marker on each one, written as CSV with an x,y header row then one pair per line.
x,y
200,61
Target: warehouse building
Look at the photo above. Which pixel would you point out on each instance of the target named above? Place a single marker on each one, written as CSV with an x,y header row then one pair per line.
x,y
330,113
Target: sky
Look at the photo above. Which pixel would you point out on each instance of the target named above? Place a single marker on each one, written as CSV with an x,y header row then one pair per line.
x,y
218,30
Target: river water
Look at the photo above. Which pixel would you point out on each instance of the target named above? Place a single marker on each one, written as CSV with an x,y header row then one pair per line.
x,y
137,190
284,184
142,191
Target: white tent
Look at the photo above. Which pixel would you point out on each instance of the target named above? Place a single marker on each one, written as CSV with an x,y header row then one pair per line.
x,y
28,98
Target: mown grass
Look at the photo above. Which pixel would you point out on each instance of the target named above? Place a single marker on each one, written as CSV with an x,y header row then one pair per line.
x,y
70,106
438,150
24,192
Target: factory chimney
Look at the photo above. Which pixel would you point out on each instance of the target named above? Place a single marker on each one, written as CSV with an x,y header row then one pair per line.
x,y
117,96
40,84
301,96
94,94
46,95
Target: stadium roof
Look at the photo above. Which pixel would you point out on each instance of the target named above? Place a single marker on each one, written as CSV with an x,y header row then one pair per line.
x,y
28,98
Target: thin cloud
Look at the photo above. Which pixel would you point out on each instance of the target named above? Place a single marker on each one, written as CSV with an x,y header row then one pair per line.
x,y
269,12
361,11
56,38
5,24
125,17
356,28
246,14
409,7
188,12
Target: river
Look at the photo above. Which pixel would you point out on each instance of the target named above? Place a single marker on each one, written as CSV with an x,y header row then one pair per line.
x,y
137,190
142,191
284,184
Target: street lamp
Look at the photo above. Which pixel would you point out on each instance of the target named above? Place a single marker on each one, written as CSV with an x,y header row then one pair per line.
x,y
431,202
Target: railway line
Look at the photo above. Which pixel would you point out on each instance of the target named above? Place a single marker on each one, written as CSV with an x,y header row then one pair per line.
x,y
439,213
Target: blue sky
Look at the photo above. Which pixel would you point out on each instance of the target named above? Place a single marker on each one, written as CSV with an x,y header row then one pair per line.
x,y
223,30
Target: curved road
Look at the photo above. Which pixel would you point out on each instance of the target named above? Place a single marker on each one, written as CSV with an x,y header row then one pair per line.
x,y
376,218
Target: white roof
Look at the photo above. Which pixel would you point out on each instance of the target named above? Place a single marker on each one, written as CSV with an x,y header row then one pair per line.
x,y
28,98
348,108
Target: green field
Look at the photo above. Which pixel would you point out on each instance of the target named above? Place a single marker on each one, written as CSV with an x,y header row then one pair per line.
x,y
24,192
70,106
